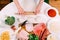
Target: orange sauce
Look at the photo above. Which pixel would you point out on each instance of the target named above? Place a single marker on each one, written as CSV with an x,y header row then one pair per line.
x,y
52,13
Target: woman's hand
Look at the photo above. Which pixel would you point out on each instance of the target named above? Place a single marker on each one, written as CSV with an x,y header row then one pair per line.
x,y
21,11
37,10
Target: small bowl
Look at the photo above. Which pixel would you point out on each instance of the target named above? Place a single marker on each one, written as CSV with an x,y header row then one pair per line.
x,y
52,37
54,26
54,9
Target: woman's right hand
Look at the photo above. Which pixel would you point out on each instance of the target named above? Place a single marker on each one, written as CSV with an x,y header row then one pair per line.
x,y
21,11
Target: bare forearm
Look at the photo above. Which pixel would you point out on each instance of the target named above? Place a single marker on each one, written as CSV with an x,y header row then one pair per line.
x,y
37,10
17,4
40,3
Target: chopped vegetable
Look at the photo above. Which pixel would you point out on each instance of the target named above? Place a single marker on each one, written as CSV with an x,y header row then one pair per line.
x,y
10,20
13,28
33,37
39,28
52,13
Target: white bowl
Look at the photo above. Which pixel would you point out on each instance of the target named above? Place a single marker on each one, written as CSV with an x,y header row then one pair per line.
x,y
12,35
46,11
52,37
54,26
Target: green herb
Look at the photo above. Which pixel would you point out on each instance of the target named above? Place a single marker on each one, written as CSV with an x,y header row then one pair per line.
x,y
10,20
47,1
33,37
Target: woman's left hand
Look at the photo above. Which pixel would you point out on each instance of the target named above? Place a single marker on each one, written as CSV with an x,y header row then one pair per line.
x,y
37,10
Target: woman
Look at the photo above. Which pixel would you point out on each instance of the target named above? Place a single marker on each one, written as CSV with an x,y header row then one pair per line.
x,y
28,5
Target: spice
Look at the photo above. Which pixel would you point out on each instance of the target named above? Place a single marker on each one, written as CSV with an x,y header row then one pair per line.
x,y
13,28
52,13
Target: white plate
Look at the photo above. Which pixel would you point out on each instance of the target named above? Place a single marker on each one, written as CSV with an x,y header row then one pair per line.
x,y
11,9
53,37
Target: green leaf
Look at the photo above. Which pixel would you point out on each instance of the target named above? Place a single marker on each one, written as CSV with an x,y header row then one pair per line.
x,y
33,37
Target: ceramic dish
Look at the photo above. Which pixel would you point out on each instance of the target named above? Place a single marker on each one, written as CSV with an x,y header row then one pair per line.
x,y
51,9
54,25
9,34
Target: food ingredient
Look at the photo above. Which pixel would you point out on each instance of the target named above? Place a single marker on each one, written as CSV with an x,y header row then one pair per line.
x,y
5,36
13,28
33,37
52,13
39,28
10,20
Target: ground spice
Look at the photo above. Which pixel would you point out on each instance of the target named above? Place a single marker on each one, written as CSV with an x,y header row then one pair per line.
x,y
52,13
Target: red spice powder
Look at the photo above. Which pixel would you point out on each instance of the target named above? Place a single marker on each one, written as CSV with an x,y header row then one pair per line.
x,y
52,13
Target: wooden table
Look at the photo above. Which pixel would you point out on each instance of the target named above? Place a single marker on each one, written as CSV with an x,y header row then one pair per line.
x,y
55,4
3,3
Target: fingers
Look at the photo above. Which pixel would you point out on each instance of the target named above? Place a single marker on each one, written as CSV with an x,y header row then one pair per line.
x,y
36,12
21,13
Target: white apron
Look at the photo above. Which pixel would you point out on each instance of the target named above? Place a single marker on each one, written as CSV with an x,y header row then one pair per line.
x,y
28,5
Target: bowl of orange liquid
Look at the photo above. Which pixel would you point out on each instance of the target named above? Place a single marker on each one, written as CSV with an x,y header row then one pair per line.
x,y
52,12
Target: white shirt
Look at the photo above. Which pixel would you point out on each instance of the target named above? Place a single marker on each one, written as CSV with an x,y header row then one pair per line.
x,y
28,5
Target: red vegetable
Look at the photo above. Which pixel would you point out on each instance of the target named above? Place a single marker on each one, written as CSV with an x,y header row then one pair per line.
x,y
52,13
13,28
38,29
41,31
